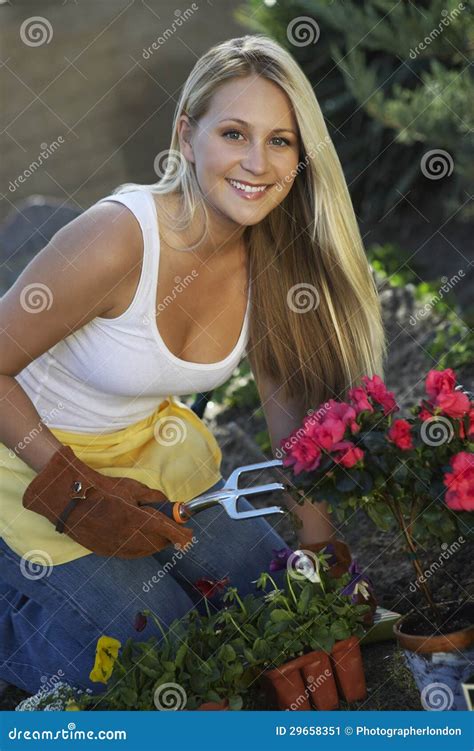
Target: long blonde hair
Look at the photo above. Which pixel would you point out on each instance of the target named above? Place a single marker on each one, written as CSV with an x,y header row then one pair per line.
x,y
315,320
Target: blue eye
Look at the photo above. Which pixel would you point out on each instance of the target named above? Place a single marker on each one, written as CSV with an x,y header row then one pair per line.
x,y
228,132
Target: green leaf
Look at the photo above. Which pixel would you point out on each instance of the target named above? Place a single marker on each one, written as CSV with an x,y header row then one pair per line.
x,y
280,615
235,703
227,653
304,598
345,483
150,672
180,654
249,655
129,695
340,630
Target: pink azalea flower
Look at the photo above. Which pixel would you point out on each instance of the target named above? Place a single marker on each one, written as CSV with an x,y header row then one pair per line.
x,y
378,391
456,404
440,382
359,399
400,435
470,429
460,482
440,385
327,434
305,455
347,454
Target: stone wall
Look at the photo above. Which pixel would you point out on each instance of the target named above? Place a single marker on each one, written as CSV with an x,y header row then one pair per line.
x,y
84,108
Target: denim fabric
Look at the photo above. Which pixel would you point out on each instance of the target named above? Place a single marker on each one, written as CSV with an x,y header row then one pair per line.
x,y
51,617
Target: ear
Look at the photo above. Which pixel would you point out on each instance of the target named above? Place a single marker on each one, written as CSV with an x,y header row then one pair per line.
x,y
185,132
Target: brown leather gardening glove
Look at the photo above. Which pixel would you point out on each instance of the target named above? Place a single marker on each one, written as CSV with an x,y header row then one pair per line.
x,y
342,559
104,514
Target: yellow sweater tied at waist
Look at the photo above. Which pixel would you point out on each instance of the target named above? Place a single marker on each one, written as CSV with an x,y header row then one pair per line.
x,y
171,450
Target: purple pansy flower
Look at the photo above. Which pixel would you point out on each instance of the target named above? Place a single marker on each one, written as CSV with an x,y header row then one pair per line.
x,y
330,550
278,563
359,583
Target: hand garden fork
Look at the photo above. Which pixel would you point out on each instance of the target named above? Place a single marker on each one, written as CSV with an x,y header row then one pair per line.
x,y
229,494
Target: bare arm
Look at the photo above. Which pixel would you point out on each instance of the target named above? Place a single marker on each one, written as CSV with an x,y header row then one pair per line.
x,y
75,277
282,417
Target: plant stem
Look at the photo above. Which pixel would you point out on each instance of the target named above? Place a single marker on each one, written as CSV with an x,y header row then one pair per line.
x,y
272,581
241,603
151,613
239,629
291,588
397,511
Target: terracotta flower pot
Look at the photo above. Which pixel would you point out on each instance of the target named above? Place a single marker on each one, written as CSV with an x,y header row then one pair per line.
x,y
348,667
214,705
305,677
320,681
439,664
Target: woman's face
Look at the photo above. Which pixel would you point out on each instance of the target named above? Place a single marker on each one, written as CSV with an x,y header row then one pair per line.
x,y
263,151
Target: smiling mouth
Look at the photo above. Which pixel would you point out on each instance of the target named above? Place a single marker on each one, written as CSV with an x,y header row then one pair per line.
x,y
248,191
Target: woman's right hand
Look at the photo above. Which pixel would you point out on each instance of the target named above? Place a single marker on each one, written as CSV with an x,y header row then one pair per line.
x,y
104,514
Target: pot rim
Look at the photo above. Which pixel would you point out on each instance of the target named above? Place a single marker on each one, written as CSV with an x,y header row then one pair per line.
x,y
294,664
430,643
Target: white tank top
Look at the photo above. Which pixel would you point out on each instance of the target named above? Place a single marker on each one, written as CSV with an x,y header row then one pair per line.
x,y
114,372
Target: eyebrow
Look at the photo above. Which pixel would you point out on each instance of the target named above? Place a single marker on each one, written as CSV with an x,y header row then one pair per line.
x,y
243,122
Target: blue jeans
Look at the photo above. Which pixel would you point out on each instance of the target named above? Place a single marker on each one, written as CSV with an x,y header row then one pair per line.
x,y
50,620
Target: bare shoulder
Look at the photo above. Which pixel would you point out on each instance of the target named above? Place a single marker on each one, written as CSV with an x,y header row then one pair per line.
x,y
73,279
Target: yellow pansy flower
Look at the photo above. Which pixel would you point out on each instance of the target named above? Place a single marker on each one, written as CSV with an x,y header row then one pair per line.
x,y
106,653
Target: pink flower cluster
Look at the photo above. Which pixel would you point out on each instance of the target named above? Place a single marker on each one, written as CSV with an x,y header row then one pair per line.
x,y
331,430
440,385
460,482
442,399
322,432
376,389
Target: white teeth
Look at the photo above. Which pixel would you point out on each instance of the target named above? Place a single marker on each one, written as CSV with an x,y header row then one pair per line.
x,y
247,188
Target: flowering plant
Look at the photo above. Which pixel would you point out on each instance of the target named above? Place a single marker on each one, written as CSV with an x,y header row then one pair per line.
x,y
311,612
410,472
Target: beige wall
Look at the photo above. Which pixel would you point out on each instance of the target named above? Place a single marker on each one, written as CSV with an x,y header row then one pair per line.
x,y
88,99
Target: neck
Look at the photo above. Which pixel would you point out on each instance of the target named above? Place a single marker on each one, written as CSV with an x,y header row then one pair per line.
x,y
224,238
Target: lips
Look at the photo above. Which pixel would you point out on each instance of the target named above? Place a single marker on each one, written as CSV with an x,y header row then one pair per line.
x,y
251,196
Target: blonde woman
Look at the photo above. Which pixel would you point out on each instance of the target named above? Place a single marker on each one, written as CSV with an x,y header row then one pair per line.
x,y
247,245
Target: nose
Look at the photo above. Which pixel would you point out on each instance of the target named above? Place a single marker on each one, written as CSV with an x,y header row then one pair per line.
x,y
256,159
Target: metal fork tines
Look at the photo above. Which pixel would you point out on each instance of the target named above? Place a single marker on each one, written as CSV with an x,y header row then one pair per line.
x,y
229,495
